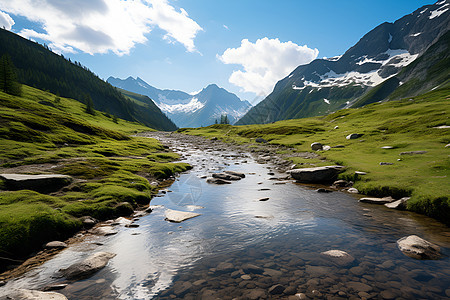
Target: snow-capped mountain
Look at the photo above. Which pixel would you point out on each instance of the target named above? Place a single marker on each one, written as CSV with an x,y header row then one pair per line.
x,y
329,84
189,110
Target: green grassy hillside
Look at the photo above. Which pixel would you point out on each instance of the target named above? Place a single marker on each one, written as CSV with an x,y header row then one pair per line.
x,y
406,125
43,133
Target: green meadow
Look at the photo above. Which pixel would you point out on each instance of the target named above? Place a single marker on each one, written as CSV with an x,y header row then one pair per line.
x,y
405,125
115,173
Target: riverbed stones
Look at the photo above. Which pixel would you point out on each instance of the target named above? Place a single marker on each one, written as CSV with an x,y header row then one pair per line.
x,y
316,146
217,181
104,230
276,289
55,245
178,216
418,248
235,173
226,176
317,174
359,286
24,294
87,267
338,257
88,221
45,183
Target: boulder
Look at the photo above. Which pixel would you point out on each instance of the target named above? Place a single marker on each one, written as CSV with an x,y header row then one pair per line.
x,y
217,181
234,173
260,140
276,289
226,176
317,174
23,294
177,216
87,267
44,183
418,248
316,146
55,245
104,230
353,136
338,257
88,221
373,200
398,204
353,190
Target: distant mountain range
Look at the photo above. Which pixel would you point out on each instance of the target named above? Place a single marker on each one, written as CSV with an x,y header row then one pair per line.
x,y
394,60
189,110
39,67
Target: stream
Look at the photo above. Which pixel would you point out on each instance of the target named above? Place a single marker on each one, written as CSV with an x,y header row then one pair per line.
x,y
243,248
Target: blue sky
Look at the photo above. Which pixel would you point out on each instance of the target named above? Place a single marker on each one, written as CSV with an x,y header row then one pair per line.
x,y
182,44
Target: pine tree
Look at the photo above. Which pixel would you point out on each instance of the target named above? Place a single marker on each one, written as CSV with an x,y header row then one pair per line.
x,y
8,77
89,105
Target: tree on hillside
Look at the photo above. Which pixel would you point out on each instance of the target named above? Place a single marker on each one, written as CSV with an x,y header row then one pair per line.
x,y
89,104
224,119
8,77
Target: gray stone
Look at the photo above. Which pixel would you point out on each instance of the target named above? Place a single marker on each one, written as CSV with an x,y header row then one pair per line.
x,y
353,136
45,183
338,257
250,268
226,176
177,216
272,272
104,230
373,200
87,267
260,140
386,163
301,296
338,146
276,289
317,174
246,277
225,267
316,146
217,181
387,147
234,173
88,221
413,152
399,204
340,183
23,294
353,190
55,245
359,286
418,248
322,190
360,173
255,294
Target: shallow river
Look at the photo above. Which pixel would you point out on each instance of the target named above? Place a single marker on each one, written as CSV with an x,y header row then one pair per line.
x,y
242,247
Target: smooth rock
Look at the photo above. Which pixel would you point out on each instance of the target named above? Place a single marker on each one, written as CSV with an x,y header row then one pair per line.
x,y
255,294
250,268
418,248
272,272
398,204
413,152
24,294
359,286
226,176
87,267
326,148
387,147
234,173
316,146
260,140
41,183
339,257
373,200
386,164
353,136
360,173
340,183
217,181
317,174
246,277
264,199
301,296
353,190
338,146
88,221
177,216
322,190
104,230
225,267
55,245
276,289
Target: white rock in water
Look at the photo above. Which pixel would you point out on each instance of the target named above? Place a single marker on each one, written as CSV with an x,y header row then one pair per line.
x,y
179,216
88,266
339,257
418,248
23,294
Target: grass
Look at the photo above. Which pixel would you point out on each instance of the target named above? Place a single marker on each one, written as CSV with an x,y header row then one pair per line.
x,y
406,125
112,169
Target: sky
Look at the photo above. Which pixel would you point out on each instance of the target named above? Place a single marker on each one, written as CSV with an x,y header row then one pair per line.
x,y
244,46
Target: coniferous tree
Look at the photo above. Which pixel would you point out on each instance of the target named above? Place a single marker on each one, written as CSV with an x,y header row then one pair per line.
x,y
89,104
8,77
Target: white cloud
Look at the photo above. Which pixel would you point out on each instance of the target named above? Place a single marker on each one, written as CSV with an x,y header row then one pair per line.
x,y
226,27
6,21
99,26
265,62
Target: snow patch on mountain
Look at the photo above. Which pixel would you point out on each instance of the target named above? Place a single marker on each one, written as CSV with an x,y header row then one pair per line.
x,y
192,106
438,12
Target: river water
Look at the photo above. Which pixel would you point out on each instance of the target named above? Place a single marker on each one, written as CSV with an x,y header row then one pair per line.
x,y
240,247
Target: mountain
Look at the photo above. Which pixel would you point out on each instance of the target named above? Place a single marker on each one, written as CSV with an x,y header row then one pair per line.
x,y
375,63
189,110
39,67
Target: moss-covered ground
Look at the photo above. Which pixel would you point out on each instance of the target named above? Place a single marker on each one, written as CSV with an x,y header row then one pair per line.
x,y
406,125
114,172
